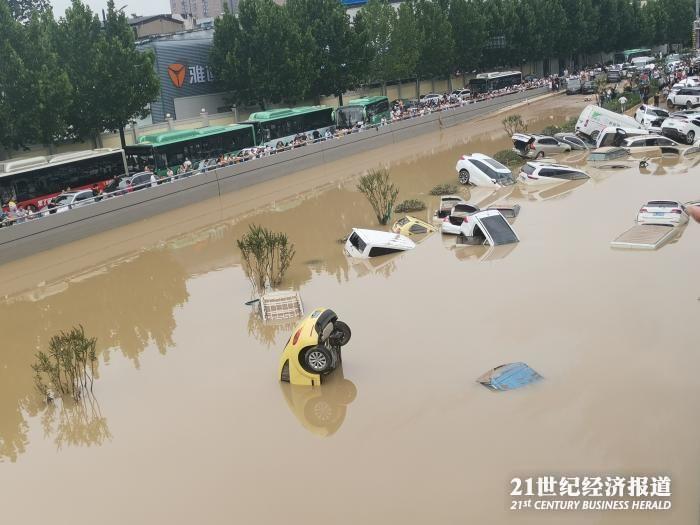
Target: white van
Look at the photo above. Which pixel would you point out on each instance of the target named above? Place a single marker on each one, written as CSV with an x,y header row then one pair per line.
x,y
594,119
614,136
642,62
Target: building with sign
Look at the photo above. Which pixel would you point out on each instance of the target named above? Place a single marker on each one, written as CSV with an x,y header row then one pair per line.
x,y
186,81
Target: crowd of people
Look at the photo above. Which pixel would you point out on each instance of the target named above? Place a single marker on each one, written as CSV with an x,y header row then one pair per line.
x,y
400,110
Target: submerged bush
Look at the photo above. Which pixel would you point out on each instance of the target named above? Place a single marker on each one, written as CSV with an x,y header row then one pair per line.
x,y
444,189
69,366
508,158
568,127
380,192
514,124
266,256
409,205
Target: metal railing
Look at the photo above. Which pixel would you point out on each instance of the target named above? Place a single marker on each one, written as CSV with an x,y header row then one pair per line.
x,y
16,217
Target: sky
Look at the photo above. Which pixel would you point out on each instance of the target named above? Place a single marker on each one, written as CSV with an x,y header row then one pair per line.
x,y
140,7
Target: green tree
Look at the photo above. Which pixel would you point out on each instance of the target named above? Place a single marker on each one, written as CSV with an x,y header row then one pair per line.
x,y
12,73
609,25
404,48
373,24
128,81
331,44
679,15
79,43
22,9
436,44
468,25
260,57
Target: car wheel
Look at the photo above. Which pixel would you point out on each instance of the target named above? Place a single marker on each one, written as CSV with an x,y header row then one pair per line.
x,y
317,360
688,105
463,176
341,333
690,137
540,155
669,104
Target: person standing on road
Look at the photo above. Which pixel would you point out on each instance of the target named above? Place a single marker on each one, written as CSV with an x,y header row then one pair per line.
x,y
623,102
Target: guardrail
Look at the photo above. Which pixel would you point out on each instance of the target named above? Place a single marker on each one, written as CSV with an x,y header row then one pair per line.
x,y
39,231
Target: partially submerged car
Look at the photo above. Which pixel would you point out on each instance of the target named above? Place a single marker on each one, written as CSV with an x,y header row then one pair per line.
x,y
683,128
452,223
662,212
607,153
487,227
537,146
447,202
651,117
509,377
573,140
313,349
410,225
364,244
533,173
652,146
478,169
614,136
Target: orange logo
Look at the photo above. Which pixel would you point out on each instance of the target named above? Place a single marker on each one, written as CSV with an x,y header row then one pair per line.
x,y
176,72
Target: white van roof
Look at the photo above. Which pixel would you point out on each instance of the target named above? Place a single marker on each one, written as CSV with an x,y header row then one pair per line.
x,y
385,239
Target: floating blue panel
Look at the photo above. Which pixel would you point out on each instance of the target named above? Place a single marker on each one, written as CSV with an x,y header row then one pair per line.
x,y
509,377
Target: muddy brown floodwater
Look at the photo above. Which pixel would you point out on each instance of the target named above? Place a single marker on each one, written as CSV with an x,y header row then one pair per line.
x,y
189,423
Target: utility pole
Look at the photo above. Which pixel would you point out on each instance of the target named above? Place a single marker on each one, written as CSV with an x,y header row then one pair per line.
x,y
696,26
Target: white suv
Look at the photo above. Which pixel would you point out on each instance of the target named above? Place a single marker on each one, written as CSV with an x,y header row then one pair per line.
x,y
683,128
687,96
650,116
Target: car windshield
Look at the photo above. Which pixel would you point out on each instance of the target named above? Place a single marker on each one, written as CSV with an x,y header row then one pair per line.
x,y
349,117
357,242
660,112
499,229
528,168
495,164
663,204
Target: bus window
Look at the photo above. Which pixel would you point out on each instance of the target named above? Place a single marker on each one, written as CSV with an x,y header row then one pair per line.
x,y
137,158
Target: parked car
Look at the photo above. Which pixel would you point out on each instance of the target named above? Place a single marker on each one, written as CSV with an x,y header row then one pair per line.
x,y
533,173
688,97
650,116
463,94
682,128
481,170
573,140
573,86
72,199
537,146
614,75
453,222
430,98
662,212
364,244
410,225
135,182
687,82
589,87
487,227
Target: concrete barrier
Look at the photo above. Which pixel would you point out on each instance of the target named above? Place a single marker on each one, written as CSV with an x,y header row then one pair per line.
x,y
31,237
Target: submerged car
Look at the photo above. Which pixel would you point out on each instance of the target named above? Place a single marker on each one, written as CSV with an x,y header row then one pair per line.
x,y
607,153
452,223
573,140
545,173
481,170
537,146
487,227
668,213
313,349
447,202
650,116
410,225
684,128
651,145
364,244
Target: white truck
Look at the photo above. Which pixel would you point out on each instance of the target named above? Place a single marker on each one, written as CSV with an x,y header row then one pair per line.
x,y
594,119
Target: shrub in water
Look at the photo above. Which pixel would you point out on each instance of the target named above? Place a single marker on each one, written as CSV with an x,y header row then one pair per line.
x,y
409,205
514,124
444,189
266,256
380,192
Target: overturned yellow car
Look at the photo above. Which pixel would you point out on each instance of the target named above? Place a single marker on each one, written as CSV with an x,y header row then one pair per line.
x,y
410,225
313,349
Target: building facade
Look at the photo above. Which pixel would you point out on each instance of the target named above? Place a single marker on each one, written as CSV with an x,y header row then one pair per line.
x,y
144,26
202,8
187,84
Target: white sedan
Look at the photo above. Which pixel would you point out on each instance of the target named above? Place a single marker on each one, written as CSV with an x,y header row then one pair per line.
x,y
669,213
481,170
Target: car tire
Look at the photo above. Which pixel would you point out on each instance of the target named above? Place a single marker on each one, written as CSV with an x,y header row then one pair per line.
x,y
688,105
317,360
540,155
341,334
669,104
464,177
284,375
594,135
690,138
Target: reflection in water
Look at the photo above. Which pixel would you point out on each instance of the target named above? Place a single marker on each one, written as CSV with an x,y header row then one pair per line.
x,y
556,190
266,332
75,423
321,409
483,253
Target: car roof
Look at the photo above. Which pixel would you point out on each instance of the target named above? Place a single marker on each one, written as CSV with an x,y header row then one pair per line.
x,y
537,164
388,239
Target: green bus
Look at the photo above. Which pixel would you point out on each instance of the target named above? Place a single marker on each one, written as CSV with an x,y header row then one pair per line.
x,y
368,110
170,149
283,124
627,56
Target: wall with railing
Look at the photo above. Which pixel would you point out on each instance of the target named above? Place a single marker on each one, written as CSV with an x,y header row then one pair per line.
x,y
51,228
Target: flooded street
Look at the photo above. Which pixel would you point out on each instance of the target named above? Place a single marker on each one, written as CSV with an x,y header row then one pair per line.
x,y
190,424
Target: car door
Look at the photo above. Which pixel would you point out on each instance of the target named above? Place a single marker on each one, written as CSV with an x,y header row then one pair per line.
x,y
549,145
83,198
